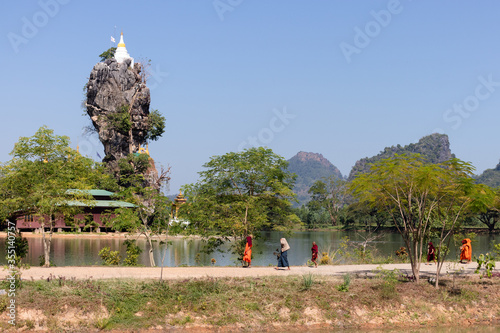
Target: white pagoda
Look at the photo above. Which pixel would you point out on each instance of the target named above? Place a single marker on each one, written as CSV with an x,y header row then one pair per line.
x,y
121,52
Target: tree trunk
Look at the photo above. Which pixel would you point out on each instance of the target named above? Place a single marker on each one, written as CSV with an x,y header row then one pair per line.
x,y
46,245
151,256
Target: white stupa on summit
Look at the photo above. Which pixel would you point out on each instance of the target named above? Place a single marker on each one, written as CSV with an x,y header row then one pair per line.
x,y
121,52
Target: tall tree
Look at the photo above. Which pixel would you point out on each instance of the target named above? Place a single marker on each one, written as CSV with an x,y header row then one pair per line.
x,y
331,194
36,180
487,205
240,194
417,195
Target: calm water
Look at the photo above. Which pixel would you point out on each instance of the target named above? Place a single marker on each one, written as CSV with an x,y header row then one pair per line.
x,y
183,252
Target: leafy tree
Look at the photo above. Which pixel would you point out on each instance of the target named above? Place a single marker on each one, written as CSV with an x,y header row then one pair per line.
x,y
156,125
108,54
151,216
331,194
36,180
238,195
417,196
486,205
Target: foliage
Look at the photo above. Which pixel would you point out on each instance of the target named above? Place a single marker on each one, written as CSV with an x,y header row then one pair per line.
x,y
433,148
156,125
310,167
325,259
490,177
131,171
36,180
120,120
330,194
109,258
485,264
240,194
417,196
344,287
108,54
402,254
133,252
307,281
486,204
389,281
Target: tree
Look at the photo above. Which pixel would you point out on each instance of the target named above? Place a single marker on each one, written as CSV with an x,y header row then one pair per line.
x,y
151,216
238,195
486,205
108,54
36,180
417,196
156,125
329,193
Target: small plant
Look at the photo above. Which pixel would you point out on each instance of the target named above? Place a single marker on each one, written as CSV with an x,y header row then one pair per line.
x,y
389,281
133,252
109,258
307,281
402,254
213,261
325,259
197,259
344,287
485,265
41,261
452,270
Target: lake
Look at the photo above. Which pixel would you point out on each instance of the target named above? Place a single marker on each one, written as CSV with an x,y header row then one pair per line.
x,y
186,252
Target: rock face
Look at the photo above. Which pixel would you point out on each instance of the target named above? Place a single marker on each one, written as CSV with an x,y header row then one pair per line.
x,y
118,105
309,168
490,177
435,148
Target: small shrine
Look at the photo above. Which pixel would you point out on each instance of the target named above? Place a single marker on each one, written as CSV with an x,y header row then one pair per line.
x,y
121,52
179,201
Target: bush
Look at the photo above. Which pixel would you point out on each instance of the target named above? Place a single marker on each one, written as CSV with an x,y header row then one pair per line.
x,y
133,252
344,287
109,258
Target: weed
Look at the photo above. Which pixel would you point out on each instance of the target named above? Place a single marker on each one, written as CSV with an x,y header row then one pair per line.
x,y
109,258
307,281
344,287
389,280
488,262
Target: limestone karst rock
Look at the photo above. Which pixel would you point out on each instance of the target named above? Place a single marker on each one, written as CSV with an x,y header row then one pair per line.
x,y
118,105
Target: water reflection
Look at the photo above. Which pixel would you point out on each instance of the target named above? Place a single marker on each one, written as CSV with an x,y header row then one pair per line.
x,y
187,252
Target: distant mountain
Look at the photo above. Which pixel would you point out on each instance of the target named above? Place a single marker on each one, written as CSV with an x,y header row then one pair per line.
x,y
309,168
435,148
490,177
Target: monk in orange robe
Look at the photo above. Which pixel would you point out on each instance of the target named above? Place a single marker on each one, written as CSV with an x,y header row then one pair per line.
x,y
466,251
247,255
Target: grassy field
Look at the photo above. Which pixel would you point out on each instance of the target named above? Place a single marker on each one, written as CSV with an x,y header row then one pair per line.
x,y
246,304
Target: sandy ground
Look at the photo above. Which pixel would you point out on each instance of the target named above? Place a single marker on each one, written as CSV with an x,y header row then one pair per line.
x,y
172,273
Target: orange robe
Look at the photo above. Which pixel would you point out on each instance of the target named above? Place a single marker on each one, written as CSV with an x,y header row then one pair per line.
x,y
247,256
466,253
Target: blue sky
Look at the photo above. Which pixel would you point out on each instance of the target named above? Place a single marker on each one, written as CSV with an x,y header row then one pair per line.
x,y
340,78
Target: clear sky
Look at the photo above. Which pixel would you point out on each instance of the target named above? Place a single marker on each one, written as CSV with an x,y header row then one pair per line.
x,y
340,78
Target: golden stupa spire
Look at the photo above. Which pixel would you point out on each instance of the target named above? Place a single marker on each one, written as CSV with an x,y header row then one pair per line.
x,y
121,43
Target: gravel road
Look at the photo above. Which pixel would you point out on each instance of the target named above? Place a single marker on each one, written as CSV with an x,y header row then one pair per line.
x,y
172,273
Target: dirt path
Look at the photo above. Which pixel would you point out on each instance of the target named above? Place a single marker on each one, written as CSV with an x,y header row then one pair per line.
x,y
171,273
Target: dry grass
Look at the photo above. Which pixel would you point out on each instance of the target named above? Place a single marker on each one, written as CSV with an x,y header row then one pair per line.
x,y
252,303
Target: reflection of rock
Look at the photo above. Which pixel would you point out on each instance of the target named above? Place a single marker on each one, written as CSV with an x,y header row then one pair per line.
x,y
118,104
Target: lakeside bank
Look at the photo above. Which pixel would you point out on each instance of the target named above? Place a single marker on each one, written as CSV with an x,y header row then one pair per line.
x,y
234,299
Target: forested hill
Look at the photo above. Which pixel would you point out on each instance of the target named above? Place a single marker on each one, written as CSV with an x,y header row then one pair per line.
x,y
309,168
435,148
490,177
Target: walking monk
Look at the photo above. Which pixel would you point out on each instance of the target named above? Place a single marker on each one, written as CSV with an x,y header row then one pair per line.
x,y
466,251
247,255
314,252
